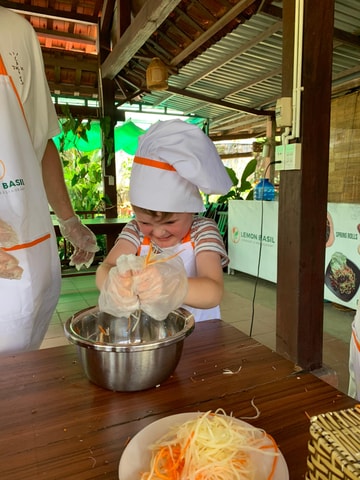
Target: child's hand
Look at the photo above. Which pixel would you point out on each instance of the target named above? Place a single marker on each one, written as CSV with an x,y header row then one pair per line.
x,y
117,295
148,283
161,287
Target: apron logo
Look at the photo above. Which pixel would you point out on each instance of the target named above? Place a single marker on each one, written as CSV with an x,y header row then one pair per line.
x,y
2,169
13,183
18,182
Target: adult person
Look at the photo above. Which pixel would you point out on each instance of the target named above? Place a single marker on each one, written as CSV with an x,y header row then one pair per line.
x,y
173,163
31,178
354,357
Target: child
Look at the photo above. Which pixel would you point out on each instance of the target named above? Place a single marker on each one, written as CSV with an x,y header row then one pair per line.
x,y
173,162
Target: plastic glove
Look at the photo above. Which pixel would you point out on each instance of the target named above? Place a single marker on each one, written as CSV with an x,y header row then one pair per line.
x,y
80,258
8,236
161,286
82,239
117,295
9,266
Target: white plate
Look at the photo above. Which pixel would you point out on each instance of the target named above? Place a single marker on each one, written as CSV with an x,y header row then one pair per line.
x,y
137,455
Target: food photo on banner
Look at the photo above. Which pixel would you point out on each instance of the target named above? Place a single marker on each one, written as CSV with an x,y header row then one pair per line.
x,y
342,259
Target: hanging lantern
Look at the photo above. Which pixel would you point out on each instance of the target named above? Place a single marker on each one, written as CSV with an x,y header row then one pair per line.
x,y
157,75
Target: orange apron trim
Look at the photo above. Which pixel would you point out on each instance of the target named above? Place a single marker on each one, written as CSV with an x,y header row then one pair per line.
x,y
3,71
356,341
2,67
29,244
154,163
147,241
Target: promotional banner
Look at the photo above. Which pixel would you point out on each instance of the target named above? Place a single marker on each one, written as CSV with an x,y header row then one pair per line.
x,y
252,244
342,258
252,237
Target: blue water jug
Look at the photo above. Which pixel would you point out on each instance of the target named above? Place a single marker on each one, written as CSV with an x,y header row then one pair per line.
x,y
264,190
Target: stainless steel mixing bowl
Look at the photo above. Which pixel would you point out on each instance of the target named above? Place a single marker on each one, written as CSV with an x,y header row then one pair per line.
x,y
128,354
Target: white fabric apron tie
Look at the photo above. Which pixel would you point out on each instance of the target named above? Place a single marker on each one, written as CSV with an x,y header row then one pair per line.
x,y
27,304
186,252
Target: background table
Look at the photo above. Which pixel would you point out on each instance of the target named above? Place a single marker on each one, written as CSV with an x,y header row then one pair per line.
x,y
57,425
111,227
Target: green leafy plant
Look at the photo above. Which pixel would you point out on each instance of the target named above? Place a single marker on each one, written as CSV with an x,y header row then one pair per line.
x,y
243,189
82,171
83,175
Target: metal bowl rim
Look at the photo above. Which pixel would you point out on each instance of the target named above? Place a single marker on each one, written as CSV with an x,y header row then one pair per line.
x,y
130,347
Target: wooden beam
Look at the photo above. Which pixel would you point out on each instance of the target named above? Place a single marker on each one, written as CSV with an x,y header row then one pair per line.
x,y
221,23
346,38
254,81
47,12
231,137
82,112
150,17
226,156
107,14
220,103
220,63
72,60
66,89
65,36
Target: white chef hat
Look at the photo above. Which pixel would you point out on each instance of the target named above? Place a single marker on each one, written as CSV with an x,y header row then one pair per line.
x,y
174,161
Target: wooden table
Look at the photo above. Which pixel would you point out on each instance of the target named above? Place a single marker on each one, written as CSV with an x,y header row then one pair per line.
x,y
56,425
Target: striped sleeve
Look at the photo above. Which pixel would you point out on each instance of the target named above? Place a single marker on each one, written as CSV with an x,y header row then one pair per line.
x,y
206,237
132,234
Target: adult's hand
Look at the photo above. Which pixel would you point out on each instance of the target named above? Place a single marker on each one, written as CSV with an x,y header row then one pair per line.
x,y
82,239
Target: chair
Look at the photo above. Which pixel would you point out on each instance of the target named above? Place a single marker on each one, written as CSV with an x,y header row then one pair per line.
x,y
211,211
222,223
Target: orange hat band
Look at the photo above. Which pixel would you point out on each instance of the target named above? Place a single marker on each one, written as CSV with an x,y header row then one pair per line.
x,y
154,163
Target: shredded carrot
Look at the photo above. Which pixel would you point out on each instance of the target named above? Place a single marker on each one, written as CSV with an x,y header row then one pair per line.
x,y
211,446
102,330
273,446
151,259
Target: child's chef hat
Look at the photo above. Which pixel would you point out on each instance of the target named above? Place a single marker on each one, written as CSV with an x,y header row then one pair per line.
x,y
175,160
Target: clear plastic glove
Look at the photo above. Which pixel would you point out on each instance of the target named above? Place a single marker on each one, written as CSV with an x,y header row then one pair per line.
x,y
9,266
82,239
8,236
161,286
81,258
157,287
117,295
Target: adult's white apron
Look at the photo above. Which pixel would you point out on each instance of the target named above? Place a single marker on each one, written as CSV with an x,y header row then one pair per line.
x,y
186,252
354,358
27,304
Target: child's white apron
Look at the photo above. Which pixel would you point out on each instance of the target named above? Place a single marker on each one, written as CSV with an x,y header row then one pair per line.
x,y
27,304
186,252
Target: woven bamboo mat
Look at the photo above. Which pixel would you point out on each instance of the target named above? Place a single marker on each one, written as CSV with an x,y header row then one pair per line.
x,y
334,446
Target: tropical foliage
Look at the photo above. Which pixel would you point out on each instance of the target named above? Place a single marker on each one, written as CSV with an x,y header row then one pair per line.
x,y
82,171
243,189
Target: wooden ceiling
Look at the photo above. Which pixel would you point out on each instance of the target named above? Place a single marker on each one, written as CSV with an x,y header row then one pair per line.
x,y
224,56
67,31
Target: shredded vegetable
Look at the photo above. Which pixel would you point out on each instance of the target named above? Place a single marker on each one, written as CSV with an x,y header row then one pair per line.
x,y
212,446
342,277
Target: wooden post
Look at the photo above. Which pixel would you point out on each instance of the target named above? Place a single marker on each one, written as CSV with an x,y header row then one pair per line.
x,y
303,193
107,90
